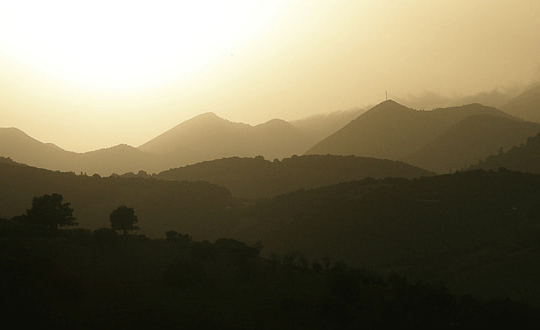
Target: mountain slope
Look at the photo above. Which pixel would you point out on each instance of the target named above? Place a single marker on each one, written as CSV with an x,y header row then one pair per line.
x,y
256,177
319,127
525,158
391,130
472,231
471,139
208,137
526,105
22,148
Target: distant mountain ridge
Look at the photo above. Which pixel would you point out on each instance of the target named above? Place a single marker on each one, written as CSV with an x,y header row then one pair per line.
x,y
260,178
470,140
208,136
392,131
22,148
526,105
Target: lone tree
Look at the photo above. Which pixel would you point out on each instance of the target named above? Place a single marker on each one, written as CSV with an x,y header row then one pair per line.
x,y
49,211
123,218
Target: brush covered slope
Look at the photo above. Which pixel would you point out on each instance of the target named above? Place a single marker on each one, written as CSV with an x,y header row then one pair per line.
x,y
474,231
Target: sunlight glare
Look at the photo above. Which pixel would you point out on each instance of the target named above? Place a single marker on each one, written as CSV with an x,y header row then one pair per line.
x,y
126,43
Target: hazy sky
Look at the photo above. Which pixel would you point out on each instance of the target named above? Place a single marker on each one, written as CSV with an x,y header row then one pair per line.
x,y
93,74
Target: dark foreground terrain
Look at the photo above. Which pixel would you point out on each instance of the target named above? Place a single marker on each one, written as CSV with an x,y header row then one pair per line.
x,y
78,279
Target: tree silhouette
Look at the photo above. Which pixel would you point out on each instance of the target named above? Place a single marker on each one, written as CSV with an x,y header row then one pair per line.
x,y
123,218
49,211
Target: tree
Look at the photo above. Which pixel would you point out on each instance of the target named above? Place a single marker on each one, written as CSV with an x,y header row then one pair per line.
x,y
123,218
49,211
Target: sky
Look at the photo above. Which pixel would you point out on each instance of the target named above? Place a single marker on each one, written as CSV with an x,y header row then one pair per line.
x,y
86,75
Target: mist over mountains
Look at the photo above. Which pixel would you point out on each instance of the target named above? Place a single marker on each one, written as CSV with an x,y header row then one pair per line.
x,y
440,140
311,197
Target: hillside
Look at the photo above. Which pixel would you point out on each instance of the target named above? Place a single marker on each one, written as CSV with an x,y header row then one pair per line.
x,y
472,139
476,231
77,279
391,130
208,137
22,148
160,205
319,127
524,158
526,105
257,177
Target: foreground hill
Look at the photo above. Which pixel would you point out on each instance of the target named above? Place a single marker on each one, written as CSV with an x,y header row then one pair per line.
x,y
208,137
526,105
160,205
475,231
257,177
525,158
470,140
392,131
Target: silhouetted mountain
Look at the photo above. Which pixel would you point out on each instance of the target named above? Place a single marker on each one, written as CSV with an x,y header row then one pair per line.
x,y
471,140
257,177
208,137
391,130
160,205
525,158
22,148
119,159
526,105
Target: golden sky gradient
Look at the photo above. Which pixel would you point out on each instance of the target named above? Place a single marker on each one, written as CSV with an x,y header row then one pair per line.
x,y
93,74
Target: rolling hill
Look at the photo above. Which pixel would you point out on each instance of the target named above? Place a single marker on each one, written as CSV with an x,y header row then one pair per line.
x,y
260,178
160,205
474,232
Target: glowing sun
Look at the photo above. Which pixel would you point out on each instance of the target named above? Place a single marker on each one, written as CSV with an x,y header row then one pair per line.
x,y
126,43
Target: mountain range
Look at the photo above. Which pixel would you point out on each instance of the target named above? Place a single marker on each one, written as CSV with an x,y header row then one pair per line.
x,y
439,140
